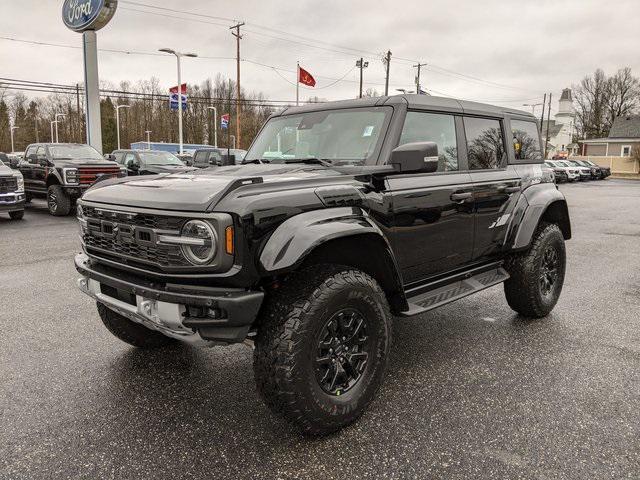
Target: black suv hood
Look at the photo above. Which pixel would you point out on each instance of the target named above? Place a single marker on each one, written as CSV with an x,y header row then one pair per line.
x,y
198,190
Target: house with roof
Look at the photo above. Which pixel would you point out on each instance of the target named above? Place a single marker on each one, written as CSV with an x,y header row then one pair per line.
x,y
623,137
561,128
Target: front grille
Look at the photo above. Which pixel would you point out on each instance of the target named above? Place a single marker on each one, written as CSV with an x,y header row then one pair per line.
x,y
129,238
160,222
8,184
88,175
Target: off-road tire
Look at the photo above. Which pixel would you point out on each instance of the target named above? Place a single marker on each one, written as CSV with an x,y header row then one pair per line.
x,y
131,332
19,215
285,348
62,204
27,198
523,289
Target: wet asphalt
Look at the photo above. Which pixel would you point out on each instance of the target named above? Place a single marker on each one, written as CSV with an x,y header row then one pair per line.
x,y
472,390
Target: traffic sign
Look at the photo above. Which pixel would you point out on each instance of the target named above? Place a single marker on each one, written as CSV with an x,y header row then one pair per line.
x,y
224,121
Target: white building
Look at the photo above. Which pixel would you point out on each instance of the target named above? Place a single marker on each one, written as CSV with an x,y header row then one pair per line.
x,y
562,128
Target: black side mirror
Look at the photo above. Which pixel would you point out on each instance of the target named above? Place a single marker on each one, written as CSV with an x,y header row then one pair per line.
x,y
42,161
415,157
110,156
14,162
133,165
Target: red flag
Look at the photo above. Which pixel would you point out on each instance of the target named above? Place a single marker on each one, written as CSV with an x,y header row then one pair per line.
x,y
305,77
175,89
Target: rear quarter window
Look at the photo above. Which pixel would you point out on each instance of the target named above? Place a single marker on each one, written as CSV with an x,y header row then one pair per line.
x,y
526,141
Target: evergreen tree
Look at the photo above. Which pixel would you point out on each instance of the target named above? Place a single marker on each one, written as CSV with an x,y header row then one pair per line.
x,y
109,134
5,140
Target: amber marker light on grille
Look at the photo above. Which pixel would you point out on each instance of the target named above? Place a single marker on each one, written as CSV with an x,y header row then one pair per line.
x,y
228,240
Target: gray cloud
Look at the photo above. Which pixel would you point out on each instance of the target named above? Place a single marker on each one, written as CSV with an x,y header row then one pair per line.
x,y
531,47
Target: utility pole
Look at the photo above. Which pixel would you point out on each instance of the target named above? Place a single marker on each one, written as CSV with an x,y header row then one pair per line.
x,y
361,64
238,38
544,104
548,118
387,63
418,66
36,122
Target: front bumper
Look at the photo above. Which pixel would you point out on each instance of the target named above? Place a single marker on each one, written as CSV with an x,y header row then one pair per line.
x,y
12,202
193,314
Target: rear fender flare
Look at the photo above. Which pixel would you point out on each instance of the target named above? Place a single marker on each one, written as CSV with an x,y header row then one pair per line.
x,y
538,202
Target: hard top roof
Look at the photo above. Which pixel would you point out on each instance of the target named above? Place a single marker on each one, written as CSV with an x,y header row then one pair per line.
x,y
427,102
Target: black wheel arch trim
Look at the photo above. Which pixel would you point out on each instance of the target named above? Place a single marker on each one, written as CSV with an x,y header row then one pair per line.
x,y
297,238
541,202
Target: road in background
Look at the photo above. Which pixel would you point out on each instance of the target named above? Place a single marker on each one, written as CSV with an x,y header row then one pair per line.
x,y
472,390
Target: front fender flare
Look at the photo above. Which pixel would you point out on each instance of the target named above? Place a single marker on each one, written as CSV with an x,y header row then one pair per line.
x,y
299,235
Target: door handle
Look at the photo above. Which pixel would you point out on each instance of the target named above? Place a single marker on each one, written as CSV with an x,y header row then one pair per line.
x,y
505,189
461,196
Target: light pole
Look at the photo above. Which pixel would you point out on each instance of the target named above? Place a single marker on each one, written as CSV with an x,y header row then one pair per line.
x,y
234,141
215,125
148,132
12,129
56,122
533,106
118,107
52,123
178,55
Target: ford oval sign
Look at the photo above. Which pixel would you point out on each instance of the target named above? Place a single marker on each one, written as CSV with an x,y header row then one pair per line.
x,y
81,15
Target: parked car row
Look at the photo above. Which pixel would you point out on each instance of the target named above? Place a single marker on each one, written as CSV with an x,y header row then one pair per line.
x,y
577,170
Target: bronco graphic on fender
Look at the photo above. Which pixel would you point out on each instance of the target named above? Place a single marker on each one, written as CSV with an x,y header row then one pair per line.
x,y
342,216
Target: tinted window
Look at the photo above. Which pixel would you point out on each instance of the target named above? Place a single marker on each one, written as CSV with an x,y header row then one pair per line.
x,y
129,157
433,127
200,158
526,141
74,152
485,145
27,155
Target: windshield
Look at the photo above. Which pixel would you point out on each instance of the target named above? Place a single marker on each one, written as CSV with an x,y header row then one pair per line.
x,y
160,158
74,152
347,137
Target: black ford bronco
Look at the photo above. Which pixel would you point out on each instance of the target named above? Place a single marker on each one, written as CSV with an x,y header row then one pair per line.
x,y
343,216
61,172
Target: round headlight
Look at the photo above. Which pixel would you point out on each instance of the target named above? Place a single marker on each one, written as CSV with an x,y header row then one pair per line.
x,y
203,248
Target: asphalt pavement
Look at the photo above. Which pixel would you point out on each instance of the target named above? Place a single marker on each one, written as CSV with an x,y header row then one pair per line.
x,y
472,390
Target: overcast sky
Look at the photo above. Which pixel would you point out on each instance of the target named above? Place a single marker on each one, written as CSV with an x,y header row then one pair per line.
x,y
518,49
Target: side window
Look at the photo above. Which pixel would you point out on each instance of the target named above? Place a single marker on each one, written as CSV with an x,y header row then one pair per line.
x,y
485,143
433,127
40,153
200,158
215,158
119,157
129,157
526,141
27,155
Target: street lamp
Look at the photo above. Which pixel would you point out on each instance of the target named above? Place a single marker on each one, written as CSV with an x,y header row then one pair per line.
x,y
118,107
148,132
178,55
215,125
533,106
12,129
56,122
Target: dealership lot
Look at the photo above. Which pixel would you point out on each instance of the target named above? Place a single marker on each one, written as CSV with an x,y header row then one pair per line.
x,y
471,391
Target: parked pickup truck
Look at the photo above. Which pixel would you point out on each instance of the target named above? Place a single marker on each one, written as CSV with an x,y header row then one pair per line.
x,y
61,172
11,190
344,216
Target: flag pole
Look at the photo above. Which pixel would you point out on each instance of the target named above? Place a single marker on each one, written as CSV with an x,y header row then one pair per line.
x,y
297,83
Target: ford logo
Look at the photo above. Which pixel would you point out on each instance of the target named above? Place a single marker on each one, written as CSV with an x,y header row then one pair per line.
x,y
81,15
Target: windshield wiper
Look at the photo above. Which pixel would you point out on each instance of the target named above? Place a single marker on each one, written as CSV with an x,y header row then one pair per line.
x,y
310,160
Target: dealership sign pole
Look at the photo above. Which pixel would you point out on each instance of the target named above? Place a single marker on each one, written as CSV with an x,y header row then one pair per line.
x,y
86,17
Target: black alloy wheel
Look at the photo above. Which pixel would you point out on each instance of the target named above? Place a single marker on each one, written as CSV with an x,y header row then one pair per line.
x,y
342,352
549,270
